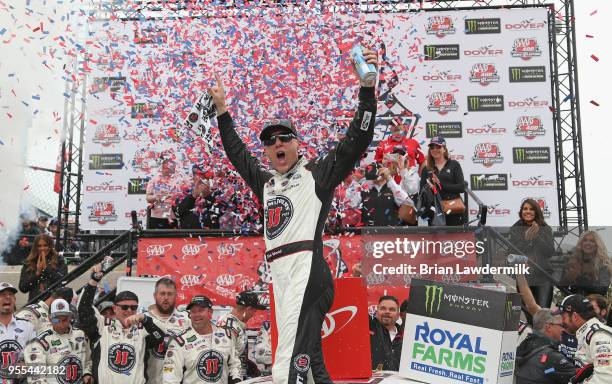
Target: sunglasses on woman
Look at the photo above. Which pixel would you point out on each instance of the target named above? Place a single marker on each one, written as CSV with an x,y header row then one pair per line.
x,y
283,137
125,307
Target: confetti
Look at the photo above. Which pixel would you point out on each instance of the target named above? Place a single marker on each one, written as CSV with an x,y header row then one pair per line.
x,y
595,58
594,103
593,13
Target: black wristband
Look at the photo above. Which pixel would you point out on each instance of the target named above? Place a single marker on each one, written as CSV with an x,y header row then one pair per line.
x,y
97,276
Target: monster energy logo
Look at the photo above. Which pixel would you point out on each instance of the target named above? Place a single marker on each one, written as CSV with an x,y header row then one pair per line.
x,y
485,103
527,74
105,161
531,155
471,25
520,155
482,26
478,182
515,74
433,296
432,129
137,186
489,182
508,311
474,102
442,52
430,52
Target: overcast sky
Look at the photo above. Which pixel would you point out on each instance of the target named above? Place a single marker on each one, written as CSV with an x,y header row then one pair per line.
x,y
30,128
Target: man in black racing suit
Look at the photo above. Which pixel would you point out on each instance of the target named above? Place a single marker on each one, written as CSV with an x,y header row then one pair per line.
x,y
296,196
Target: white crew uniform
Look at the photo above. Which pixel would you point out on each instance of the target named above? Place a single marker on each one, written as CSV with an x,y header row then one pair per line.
x,y
61,359
37,314
595,347
238,329
263,348
194,358
176,324
13,339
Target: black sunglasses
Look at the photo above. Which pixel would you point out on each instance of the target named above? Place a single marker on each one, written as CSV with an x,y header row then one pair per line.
x,y
284,138
125,307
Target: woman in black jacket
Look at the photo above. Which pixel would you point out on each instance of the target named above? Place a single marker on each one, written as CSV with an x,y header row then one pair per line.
x,y
42,267
445,176
534,238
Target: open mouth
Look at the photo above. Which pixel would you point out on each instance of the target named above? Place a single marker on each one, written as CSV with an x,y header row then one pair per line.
x,y
280,155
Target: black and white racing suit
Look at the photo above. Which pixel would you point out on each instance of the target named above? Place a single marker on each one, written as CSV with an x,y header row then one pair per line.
x,y
296,205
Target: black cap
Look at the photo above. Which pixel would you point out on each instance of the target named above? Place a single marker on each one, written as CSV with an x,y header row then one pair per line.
x,y
249,299
202,301
371,171
270,126
575,303
125,295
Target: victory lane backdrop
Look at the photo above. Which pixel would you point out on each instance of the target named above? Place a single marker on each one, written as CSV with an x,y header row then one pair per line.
x,y
480,78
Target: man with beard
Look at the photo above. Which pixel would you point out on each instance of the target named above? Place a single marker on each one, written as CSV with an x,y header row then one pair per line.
x,y
38,313
385,338
15,333
594,339
169,319
204,352
122,342
247,304
60,346
398,138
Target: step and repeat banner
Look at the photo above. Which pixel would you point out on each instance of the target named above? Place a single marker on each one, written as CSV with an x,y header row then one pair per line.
x,y
479,78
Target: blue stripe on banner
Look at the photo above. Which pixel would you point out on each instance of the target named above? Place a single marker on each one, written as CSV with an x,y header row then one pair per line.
x,y
464,377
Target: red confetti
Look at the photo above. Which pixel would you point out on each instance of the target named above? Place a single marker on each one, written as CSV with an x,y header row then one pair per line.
x,y
594,103
9,115
594,12
589,36
26,187
595,58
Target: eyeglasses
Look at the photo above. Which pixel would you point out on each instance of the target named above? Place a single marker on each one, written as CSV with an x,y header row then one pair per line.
x,y
284,138
128,307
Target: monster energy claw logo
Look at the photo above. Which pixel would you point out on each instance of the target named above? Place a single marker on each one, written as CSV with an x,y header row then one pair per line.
x,y
520,154
430,51
508,309
515,73
474,102
433,296
432,130
471,25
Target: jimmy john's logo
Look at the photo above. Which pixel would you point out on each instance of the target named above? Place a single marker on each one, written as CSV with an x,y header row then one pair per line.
x,y
531,155
485,103
484,74
278,214
442,52
527,74
529,127
446,129
442,102
489,182
526,48
482,26
487,154
440,26
105,161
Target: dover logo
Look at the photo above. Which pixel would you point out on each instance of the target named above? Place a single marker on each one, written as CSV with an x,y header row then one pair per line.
x,y
450,129
485,103
484,74
487,154
528,102
157,249
445,76
489,182
279,212
106,135
105,161
529,127
442,102
542,203
102,212
532,182
484,51
329,325
527,74
433,298
526,48
531,155
210,366
524,25
486,129
493,211
482,26
104,188
440,26
442,52
113,111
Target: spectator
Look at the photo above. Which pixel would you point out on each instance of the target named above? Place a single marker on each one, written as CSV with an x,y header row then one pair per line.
x,y
161,192
38,313
42,267
601,307
247,304
42,224
534,238
538,360
15,333
200,207
346,207
169,319
192,350
60,346
263,348
53,228
589,268
23,246
399,138
382,202
122,342
106,309
594,337
385,338
443,178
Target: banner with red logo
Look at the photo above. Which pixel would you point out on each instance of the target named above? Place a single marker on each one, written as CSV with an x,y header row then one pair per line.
x,y
479,78
221,267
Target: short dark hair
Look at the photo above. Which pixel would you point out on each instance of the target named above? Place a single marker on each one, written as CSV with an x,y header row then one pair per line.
x,y
165,281
601,301
388,297
65,293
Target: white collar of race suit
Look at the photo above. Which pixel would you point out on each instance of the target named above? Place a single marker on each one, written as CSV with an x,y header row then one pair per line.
x,y
301,159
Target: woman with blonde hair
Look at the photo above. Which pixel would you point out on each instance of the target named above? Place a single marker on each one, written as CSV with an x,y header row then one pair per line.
x,y
42,267
589,268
